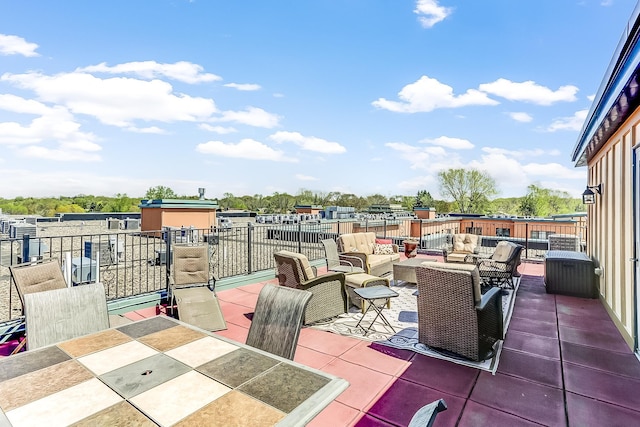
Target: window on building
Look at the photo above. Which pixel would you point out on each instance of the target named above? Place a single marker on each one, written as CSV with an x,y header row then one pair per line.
x,y
539,234
474,230
503,232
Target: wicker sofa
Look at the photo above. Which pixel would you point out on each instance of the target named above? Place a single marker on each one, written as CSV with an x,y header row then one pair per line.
x,y
375,259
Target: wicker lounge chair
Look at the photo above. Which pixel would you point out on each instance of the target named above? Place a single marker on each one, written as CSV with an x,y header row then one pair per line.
x,y
275,326
61,314
329,293
340,263
501,266
453,315
189,288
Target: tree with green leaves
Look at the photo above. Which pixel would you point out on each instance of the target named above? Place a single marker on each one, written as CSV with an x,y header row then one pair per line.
x,y
423,200
543,202
470,189
160,192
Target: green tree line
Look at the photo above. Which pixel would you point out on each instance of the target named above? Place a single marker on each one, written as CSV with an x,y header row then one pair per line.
x,y
465,191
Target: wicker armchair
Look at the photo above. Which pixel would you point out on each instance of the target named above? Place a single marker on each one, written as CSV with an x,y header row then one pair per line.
x,y
453,315
500,268
329,294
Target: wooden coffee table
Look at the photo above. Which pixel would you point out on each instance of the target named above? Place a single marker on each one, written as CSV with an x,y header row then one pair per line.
x,y
406,270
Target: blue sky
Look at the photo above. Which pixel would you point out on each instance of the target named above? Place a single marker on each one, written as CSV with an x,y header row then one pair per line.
x,y
256,97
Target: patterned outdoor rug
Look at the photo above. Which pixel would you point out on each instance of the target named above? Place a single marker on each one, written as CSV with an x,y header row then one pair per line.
x,y
403,316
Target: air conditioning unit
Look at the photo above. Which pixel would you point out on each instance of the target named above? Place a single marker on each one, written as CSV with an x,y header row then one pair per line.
x,y
18,230
37,250
91,250
161,256
113,224
83,270
117,248
131,223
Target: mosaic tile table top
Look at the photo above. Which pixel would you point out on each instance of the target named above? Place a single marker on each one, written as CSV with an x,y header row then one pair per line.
x,y
159,371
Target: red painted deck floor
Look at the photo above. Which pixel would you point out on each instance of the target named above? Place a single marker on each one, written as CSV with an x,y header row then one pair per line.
x,y
563,363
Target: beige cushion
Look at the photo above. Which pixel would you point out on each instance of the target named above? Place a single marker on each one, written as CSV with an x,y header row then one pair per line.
x,y
376,260
465,242
503,251
383,249
467,268
190,265
304,263
357,242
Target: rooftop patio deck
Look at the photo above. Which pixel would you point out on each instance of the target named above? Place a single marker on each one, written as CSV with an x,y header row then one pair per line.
x,y
563,363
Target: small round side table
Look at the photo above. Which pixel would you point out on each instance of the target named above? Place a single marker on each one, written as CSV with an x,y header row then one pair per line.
x,y
410,248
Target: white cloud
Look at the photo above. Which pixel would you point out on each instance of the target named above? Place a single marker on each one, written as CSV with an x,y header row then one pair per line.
x,y
14,45
452,143
430,12
115,101
252,116
606,3
521,154
520,117
310,143
591,97
305,177
59,155
431,158
573,123
151,129
53,125
217,129
428,94
183,71
243,86
17,104
529,91
245,149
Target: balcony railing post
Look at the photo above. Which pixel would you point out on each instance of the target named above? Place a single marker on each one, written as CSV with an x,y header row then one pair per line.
x,y
249,251
526,240
25,248
299,237
384,228
167,255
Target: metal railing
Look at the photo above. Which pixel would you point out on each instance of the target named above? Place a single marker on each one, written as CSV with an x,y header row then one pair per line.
x,y
133,263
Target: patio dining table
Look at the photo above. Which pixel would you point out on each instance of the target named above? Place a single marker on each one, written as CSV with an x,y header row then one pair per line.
x,y
159,371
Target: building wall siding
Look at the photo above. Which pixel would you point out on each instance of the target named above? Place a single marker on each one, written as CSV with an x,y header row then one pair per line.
x,y
610,221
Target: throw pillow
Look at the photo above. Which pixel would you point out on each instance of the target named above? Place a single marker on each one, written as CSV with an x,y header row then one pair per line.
x,y
383,249
384,241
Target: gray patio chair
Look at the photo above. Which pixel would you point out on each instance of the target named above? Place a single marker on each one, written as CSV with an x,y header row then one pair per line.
x,y
45,275
454,315
426,416
30,277
329,292
61,314
189,288
275,326
340,263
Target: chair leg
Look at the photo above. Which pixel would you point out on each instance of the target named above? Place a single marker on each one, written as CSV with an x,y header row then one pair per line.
x,y
19,346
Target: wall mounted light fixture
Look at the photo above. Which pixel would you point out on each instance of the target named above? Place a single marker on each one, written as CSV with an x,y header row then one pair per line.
x,y
589,196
